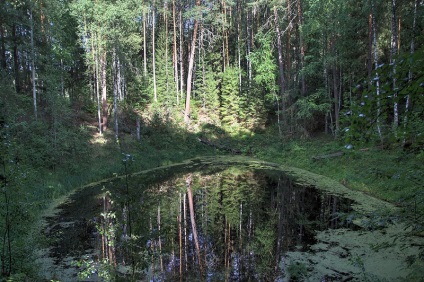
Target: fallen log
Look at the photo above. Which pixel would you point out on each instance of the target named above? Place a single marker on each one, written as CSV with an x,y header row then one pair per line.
x,y
327,156
221,147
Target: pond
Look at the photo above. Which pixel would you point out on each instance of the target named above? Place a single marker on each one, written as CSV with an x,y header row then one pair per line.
x,y
216,219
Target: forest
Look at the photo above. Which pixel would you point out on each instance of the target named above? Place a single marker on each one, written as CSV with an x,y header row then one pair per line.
x,y
333,87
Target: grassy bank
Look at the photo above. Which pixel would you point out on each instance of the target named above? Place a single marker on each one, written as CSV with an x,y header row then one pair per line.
x,y
393,175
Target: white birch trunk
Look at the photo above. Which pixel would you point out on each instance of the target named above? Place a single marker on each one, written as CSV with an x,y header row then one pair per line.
x,y
116,90
96,60
34,89
155,95
175,55
280,70
144,44
394,50
376,79
103,76
138,128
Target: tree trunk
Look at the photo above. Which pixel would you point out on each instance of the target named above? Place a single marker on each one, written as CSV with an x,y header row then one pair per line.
x,y
377,79
181,55
116,91
94,52
280,68
166,47
227,52
193,221
174,52
248,50
394,39
34,89
190,68
103,70
223,37
410,74
6,255
3,63
160,241
238,45
138,128
155,95
180,237
16,59
144,44
185,231
288,44
336,99
302,47
370,46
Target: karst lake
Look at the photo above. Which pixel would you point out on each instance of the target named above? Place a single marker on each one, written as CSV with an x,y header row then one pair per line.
x,y
223,219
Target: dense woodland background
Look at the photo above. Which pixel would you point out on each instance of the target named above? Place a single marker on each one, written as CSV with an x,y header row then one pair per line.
x,y
164,73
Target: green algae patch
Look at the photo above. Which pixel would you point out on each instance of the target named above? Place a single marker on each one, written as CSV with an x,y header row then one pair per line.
x,y
346,255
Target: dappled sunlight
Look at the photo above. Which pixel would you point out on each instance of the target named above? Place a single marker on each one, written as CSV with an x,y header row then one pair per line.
x,y
99,139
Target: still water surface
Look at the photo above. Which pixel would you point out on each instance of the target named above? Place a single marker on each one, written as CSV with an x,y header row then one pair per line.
x,y
200,221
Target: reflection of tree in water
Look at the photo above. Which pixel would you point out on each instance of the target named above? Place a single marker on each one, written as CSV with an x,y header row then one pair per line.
x,y
231,225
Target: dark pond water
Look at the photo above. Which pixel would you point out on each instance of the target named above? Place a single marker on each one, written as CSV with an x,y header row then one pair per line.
x,y
194,222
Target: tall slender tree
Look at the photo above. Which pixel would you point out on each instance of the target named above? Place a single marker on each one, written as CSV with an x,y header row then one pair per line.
x,y
34,90
393,54
190,67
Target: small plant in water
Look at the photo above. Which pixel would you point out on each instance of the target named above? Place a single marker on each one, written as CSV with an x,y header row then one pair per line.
x,y
91,269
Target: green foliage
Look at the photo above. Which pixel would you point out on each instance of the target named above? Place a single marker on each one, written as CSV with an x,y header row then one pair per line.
x,y
231,105
88,267
265,66
264,63
308,107
16,206
297,271
238,109
166,87
264,244
362,118
206,92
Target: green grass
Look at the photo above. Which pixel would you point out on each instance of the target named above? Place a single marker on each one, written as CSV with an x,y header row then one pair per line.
x,y
390,175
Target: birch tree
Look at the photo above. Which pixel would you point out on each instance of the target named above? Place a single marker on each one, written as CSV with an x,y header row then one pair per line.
x,y
376,78
393,54
190,67
34,90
